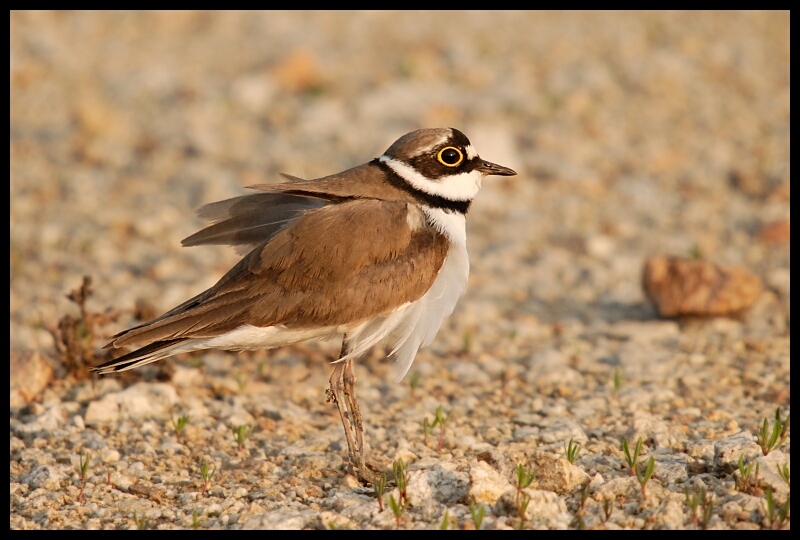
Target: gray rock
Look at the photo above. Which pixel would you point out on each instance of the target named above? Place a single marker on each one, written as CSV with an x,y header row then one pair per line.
x,y
486,484
142,400
442,483
555,473
728,450
43,476
545,507
549,367
768,476
671,468
283,519
653,430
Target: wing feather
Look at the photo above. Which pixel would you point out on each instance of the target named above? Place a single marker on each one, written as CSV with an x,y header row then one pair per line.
x,y
335,265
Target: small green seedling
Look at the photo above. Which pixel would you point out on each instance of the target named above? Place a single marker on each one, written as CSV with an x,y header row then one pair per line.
x,y
241,382
776,515
397,509
477,513
413,381
693,502
467,342
783,471
179,424
772,440
617,380
632,459
608,509
142,523
400,480
426,428
196,520
445,521
643,476
207,473
380,489
524,479
743,482
524,501
440,420
84,470
242,433
707,506
584,496
572,451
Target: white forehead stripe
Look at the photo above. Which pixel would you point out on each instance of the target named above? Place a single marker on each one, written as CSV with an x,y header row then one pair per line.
x,y
471,152
456,187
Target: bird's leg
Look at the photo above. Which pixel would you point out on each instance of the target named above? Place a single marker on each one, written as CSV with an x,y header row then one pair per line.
x,y
337,392
352,402
367,470
343,390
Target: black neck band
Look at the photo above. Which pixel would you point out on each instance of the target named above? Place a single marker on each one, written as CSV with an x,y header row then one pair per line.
x,y
434,201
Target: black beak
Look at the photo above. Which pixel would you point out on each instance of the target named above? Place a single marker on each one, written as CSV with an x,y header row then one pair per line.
x,y
489,168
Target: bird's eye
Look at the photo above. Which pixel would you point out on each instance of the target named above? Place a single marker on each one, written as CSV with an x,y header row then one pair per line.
x,y
450,156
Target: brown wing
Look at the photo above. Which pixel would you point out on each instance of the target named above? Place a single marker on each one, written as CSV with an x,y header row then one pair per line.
x,y
339,264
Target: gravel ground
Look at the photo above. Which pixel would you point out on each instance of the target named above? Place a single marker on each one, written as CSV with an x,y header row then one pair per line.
x,y
635,135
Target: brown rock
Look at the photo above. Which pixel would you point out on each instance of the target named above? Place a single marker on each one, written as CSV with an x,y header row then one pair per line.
x,y
29,375
776,232
689,287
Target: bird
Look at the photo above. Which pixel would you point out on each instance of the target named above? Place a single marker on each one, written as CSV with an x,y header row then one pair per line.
x,y
376,253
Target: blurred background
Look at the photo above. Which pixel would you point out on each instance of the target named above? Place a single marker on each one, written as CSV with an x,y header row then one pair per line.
x,y
634,134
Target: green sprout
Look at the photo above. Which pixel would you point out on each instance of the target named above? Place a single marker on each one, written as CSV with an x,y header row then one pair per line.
x,y
400,480
769,441
572,451
241,382
397,509
608,508
693,501
524,501
445,521
696,253
707,506
524,479
632,459
743,482
242,433
426,428
467,342
380,489
84,468
413,381
584,496
196,520
617,380
643,476
477,513
783,471
179,425
142,523
440,420
776,515
207,474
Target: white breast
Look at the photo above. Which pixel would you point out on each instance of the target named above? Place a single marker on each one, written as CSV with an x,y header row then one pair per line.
x,y
414,325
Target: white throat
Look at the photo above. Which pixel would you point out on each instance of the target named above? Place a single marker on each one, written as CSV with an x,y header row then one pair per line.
x,y
456,187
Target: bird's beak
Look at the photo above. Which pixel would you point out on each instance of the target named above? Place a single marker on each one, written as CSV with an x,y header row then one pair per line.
x,y
489,168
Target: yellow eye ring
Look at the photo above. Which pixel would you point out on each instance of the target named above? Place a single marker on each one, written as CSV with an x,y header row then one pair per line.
x,y
450,149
